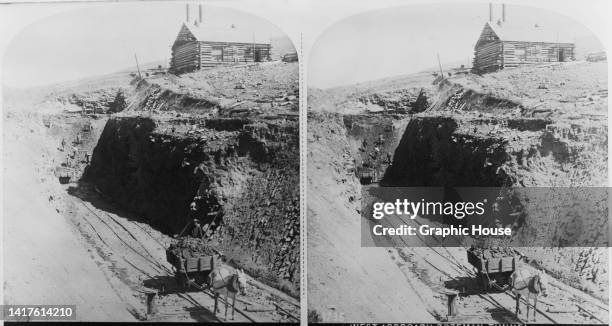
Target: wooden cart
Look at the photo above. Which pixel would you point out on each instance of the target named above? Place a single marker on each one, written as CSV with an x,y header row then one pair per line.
x,y
366,175
64,174
191,269
492,272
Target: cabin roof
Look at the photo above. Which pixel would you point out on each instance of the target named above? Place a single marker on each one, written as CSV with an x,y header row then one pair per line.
x,y
506,32
210,33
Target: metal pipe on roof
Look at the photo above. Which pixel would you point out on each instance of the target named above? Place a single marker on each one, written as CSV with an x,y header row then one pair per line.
x,y
503,12
490,12
187,12
200,13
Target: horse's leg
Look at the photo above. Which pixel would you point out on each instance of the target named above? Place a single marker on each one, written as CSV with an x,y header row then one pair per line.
x,y
226,292
518,303
215,310
233,304
528,305
535,305
518,309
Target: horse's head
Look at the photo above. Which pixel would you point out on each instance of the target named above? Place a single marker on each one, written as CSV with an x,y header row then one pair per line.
x,y
242,281
542,282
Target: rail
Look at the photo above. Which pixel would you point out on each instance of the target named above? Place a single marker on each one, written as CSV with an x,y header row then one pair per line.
x,y
152,260
467,273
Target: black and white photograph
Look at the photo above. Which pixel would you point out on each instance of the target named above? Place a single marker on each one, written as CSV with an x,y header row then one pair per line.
x,y
457,94
150,164
343,162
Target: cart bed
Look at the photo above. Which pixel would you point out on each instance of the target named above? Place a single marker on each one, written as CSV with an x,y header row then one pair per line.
x,y
492,265
190,264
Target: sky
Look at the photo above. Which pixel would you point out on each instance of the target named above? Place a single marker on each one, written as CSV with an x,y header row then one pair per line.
x,y
102,38
403,40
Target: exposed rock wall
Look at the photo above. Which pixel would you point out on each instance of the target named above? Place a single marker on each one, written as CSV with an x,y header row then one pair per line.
x,y
430,153
243,175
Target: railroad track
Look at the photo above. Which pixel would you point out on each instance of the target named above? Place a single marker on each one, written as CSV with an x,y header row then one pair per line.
x,y
466,272
131,241
151,259
488,296
163,270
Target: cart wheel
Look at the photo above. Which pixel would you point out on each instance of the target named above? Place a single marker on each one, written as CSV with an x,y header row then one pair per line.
x,y
508,279
202,277
181,281
484,282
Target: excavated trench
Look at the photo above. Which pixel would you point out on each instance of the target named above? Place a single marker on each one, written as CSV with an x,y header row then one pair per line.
x,y
240,176
431,153
183,160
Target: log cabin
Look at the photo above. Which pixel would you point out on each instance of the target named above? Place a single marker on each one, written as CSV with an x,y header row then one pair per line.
x,y
203,46
504,46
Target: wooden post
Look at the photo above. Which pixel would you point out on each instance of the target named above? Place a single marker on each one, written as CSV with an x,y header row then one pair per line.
x,y
137,66
151,303
451,304
440,65
253,47
200,14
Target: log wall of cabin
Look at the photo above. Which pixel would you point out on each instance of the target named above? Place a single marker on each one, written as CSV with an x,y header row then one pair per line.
x,y
487,57
519,53
214,54
192,55
494,55
185,57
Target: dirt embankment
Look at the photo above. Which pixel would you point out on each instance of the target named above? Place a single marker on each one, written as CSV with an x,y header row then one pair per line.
x,y
241,173
405,94
54,266
98,101
344,277
372,139
266,89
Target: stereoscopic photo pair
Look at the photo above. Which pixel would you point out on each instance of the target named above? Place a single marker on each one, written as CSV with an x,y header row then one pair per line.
x,y
188,162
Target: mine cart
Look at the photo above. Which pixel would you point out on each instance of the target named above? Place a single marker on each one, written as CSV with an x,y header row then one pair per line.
x,y
64,175
493,268
366,175
86,127
190,268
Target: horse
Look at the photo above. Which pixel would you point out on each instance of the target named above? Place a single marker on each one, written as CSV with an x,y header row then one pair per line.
x,y
221,280
526,284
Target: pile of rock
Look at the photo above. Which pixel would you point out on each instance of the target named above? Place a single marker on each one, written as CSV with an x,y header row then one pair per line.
x,y
191,247
98,101
494,252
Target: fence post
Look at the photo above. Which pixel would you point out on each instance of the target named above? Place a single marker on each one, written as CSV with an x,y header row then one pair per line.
x,y
151,303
